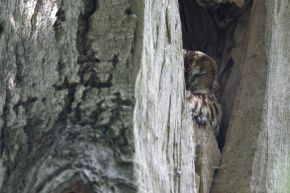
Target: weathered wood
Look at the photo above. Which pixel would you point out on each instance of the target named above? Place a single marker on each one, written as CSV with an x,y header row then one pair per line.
x,y
163,135
68,74
256,153
67,96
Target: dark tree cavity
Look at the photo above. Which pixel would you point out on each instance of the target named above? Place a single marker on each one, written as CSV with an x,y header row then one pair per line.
x,y
214,30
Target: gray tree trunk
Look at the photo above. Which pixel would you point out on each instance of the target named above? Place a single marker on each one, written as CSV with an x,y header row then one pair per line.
x,y
163,136
66,96
68,90
257,149
92,100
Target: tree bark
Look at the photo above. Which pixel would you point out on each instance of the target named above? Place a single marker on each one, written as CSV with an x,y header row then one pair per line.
x,y
163,136
256,153
71,74
67,96
92,100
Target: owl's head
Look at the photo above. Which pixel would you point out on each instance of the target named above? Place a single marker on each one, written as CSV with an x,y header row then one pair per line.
x,y
200,72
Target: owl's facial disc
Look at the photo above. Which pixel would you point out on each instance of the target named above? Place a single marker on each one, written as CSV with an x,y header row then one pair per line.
x,y
198,73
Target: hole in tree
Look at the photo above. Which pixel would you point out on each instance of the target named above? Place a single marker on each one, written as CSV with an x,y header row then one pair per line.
x,y
218,30
75,186
128,11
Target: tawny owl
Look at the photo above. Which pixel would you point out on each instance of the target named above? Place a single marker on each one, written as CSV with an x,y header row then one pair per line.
x,y
201,89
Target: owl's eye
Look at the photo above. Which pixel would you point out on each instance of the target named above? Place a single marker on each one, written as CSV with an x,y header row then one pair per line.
x,y
200,74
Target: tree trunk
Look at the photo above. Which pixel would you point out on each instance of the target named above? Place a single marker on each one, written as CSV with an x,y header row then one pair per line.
x,y
256,153
92,99
163,136
67,96
68,122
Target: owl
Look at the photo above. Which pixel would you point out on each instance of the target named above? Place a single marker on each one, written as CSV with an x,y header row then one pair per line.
x,y
201,90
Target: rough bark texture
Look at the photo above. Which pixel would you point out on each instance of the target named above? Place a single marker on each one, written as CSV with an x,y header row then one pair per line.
x,y
271,164
163,135
68,74
66,96
92,99
256,152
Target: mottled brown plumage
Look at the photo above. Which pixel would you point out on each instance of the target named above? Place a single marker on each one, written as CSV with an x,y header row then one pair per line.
x,y
202,87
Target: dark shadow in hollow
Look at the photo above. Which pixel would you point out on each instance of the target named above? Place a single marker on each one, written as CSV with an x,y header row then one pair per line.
x,y
211,30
